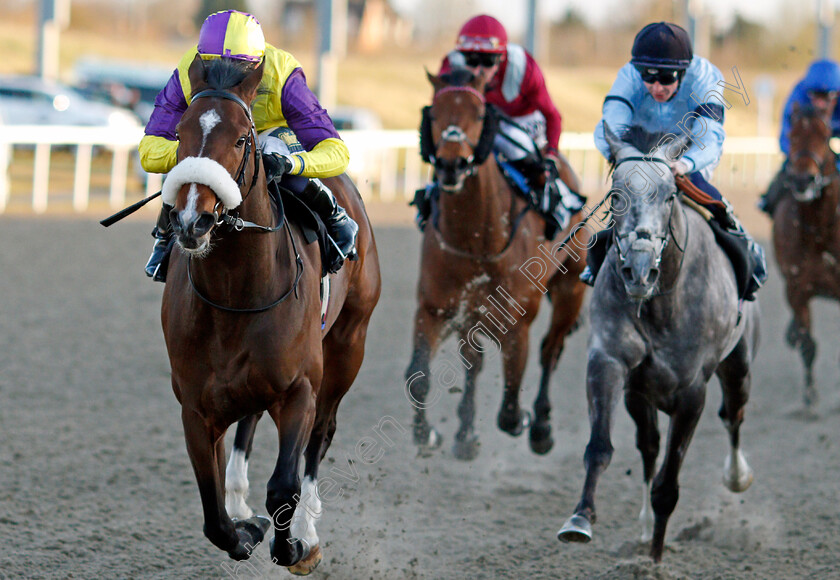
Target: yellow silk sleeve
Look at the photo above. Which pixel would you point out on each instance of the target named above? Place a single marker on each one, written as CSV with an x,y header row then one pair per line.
x,y
158,154
328,158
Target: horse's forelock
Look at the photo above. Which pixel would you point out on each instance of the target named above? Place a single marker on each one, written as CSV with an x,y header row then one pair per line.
x,y
458,77
226,73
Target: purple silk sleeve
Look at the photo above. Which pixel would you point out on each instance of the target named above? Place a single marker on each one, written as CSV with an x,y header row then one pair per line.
x,y
170,105
304,113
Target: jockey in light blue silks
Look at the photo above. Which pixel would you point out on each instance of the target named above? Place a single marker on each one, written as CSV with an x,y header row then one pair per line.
x,y
658,90
819,89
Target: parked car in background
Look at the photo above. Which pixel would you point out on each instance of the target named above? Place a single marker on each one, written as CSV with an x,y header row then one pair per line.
x,y
29,100
121,83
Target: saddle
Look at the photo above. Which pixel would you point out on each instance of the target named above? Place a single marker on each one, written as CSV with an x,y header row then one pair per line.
x,y
311,225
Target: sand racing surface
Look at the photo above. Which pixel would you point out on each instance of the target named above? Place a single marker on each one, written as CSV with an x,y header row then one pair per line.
x,y
95,481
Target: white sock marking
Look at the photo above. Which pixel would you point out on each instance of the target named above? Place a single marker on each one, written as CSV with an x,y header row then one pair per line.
x,y
308,513
236,486
646,515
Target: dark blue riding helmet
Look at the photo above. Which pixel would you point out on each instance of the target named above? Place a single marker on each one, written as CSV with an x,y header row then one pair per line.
x,y
822,76
662,45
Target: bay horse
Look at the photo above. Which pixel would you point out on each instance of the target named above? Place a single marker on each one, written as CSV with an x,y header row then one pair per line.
x,y
242,319
806,230
664,317
471,281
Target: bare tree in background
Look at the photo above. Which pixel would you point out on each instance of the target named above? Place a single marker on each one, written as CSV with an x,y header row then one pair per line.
x,y
208,7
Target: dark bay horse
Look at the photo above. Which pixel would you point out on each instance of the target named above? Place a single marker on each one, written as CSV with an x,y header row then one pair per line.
x,y
242,318
664,319
806,231
471,281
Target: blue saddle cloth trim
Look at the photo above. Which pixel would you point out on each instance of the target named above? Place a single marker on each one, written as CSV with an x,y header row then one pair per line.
x,y
704,186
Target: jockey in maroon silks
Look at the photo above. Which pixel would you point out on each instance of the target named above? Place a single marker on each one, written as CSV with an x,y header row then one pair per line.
x,y
530,134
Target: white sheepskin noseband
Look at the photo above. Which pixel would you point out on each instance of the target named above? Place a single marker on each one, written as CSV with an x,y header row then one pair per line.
x,y
207,172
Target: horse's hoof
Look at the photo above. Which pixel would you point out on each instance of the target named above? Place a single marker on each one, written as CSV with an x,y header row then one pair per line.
x,y
514,426
576,529
810,397
306,566
251,532
466,449
297,551
540,438
427,438
737,477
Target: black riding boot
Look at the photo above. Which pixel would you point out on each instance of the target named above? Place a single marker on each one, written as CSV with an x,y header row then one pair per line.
x,y
423,202
595,256
162,232
552,198
733,226
775,191
341,227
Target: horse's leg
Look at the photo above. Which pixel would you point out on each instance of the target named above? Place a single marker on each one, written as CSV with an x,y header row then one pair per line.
x,y
344,351
294,420
236,473
566,295
605,380
512,419
644,415
239,539
465,446
428,334
734,375
665,489
799,335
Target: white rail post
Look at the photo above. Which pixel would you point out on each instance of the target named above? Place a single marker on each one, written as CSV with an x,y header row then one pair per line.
x,y
40,177
119,169
81,182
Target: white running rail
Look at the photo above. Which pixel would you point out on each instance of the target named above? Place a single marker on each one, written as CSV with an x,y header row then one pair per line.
x,y
385,165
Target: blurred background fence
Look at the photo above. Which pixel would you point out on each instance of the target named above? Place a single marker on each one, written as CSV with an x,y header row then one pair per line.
x,y
53,168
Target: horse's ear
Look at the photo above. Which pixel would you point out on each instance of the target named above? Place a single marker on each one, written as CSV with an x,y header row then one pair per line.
x,y
251,83
436,81
614,141
197,73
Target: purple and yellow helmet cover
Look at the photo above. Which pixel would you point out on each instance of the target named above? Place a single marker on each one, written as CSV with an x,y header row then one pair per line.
x,y
231,34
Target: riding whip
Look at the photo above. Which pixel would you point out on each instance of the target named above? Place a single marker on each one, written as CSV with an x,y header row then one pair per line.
x,y
127,211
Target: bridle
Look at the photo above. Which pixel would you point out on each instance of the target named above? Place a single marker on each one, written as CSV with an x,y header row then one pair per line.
x,y
815,183
624,242
236,223
463,166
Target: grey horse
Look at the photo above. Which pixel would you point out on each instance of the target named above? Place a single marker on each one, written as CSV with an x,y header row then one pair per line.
x,y
664,318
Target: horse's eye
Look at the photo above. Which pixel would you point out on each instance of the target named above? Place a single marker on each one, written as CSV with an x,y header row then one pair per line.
x,y
241,142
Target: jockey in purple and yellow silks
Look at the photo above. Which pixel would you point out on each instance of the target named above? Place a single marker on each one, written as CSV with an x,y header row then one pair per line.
x,y
299,141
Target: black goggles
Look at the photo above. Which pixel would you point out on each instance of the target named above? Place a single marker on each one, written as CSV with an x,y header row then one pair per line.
x,y
822,94
658,75
485,59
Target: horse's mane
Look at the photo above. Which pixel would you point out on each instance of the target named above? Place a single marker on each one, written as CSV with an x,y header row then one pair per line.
x,y
458,77
642,139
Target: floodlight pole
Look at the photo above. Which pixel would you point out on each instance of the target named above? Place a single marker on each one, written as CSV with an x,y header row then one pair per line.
x,y
332,22
825,19
53,15
531,30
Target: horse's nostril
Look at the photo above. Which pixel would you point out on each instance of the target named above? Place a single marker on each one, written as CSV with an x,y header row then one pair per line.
x,y
627,273
204,223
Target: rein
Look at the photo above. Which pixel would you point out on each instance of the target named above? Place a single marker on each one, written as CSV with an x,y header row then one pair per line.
x,y
293,289
238,224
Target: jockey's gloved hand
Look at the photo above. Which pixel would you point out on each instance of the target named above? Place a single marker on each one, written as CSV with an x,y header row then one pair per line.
x,y
679,167
276,165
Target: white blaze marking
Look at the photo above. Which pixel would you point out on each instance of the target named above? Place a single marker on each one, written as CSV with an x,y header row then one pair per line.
x,y
208,120
308,513
236,486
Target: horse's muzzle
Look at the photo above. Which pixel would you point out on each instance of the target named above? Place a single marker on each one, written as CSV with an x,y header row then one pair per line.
x,y
192,231
640,273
